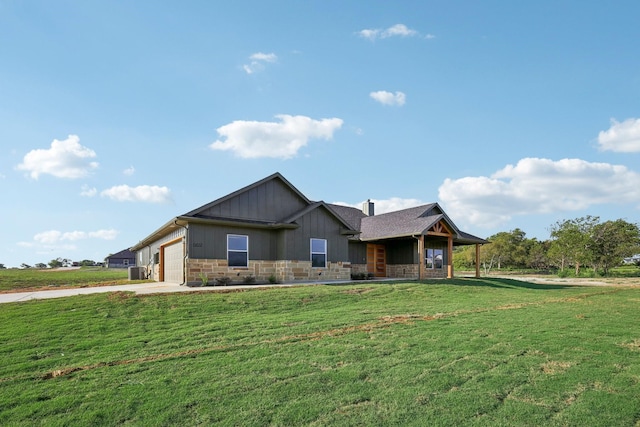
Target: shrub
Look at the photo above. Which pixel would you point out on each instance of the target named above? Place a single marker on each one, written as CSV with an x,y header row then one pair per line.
x,y
248,280
223,281
204,279
272,279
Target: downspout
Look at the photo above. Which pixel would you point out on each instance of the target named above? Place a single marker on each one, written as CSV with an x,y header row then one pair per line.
x,y
186,251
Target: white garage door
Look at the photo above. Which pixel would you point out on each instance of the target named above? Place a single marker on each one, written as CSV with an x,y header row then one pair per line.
x,y
173,263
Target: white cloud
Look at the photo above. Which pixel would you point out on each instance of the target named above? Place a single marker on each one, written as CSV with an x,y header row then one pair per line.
x,y
53,237
129,171
258,60
87,191
141,193
109,234
387,205
398,30
538,186
65,159
252,139
621,137
389,98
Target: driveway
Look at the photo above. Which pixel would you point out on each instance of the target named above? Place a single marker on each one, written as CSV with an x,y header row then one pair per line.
x,y
140,288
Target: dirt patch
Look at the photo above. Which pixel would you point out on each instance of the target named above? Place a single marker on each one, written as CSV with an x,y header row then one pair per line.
x,y
577,281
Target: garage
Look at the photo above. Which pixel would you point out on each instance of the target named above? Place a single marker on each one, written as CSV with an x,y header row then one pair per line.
x,y
173,265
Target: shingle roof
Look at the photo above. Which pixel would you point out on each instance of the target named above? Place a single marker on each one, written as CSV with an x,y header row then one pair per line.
x,y
403,223
351,216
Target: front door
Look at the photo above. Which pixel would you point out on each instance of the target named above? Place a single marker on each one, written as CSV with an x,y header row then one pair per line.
x,y
376,260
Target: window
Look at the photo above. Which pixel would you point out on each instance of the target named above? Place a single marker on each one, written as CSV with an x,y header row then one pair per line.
x,y
434,259
237,250
318,253
125,261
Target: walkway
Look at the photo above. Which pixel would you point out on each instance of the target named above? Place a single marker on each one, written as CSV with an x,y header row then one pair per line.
x,y
139,288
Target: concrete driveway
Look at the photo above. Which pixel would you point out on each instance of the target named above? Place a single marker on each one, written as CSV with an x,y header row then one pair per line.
x,y
140,288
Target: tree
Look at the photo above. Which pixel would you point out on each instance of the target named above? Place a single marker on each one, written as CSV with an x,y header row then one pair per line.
x,y
571,241
55,263
508,249
24,265
611,241
464,257
537,254
41,265
2,266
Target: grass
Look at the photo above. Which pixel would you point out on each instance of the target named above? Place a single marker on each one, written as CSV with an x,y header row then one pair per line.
x,y
482,352
19,280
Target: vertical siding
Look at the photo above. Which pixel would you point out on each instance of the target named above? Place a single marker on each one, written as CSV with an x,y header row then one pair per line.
x,y
357,253
270,201
210,242
402,251
321,225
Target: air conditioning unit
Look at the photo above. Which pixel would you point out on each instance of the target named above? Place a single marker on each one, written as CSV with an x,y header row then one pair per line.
x,y
136,273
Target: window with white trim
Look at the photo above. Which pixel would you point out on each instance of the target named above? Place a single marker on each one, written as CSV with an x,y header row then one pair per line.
x,y
434,258
237,250
319,253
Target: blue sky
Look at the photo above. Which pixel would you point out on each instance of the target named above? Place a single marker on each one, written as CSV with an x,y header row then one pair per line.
x,y
116,116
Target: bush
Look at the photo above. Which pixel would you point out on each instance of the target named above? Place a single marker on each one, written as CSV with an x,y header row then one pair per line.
x,y
248,280
358,276
223,281
204,279
272,279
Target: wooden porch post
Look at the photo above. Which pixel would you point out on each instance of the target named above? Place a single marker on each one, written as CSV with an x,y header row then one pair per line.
x,y
450,257
477,260
420,257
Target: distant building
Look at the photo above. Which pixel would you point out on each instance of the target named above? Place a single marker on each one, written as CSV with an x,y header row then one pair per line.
x,y
632,260
123,259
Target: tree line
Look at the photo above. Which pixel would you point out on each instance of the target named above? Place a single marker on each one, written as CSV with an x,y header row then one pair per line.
x,y
574,244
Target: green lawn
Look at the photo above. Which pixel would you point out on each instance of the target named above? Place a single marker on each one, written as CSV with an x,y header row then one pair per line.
x,y
17,279
485,352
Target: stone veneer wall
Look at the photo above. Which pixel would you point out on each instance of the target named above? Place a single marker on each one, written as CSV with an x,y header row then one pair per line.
x,y
402,271
283,271
435,273
358,268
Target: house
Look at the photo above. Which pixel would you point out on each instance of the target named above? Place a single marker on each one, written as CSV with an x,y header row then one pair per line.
x,y
123,259
269,229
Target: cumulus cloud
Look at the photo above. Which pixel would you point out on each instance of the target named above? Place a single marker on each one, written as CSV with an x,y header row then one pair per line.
x,y
398,30
389,98
258,61
538,186
621,137
387,205
141,193
64,159
52,237
87,191
283,139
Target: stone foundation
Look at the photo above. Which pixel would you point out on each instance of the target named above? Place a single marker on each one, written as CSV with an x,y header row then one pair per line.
x,y
261,271
402,271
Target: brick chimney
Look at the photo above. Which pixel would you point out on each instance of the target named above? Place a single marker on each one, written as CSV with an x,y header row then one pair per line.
x,y
367,208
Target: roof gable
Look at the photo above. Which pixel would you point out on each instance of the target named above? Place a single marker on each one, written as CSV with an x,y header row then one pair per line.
x,y
406,222
269,200
348,228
